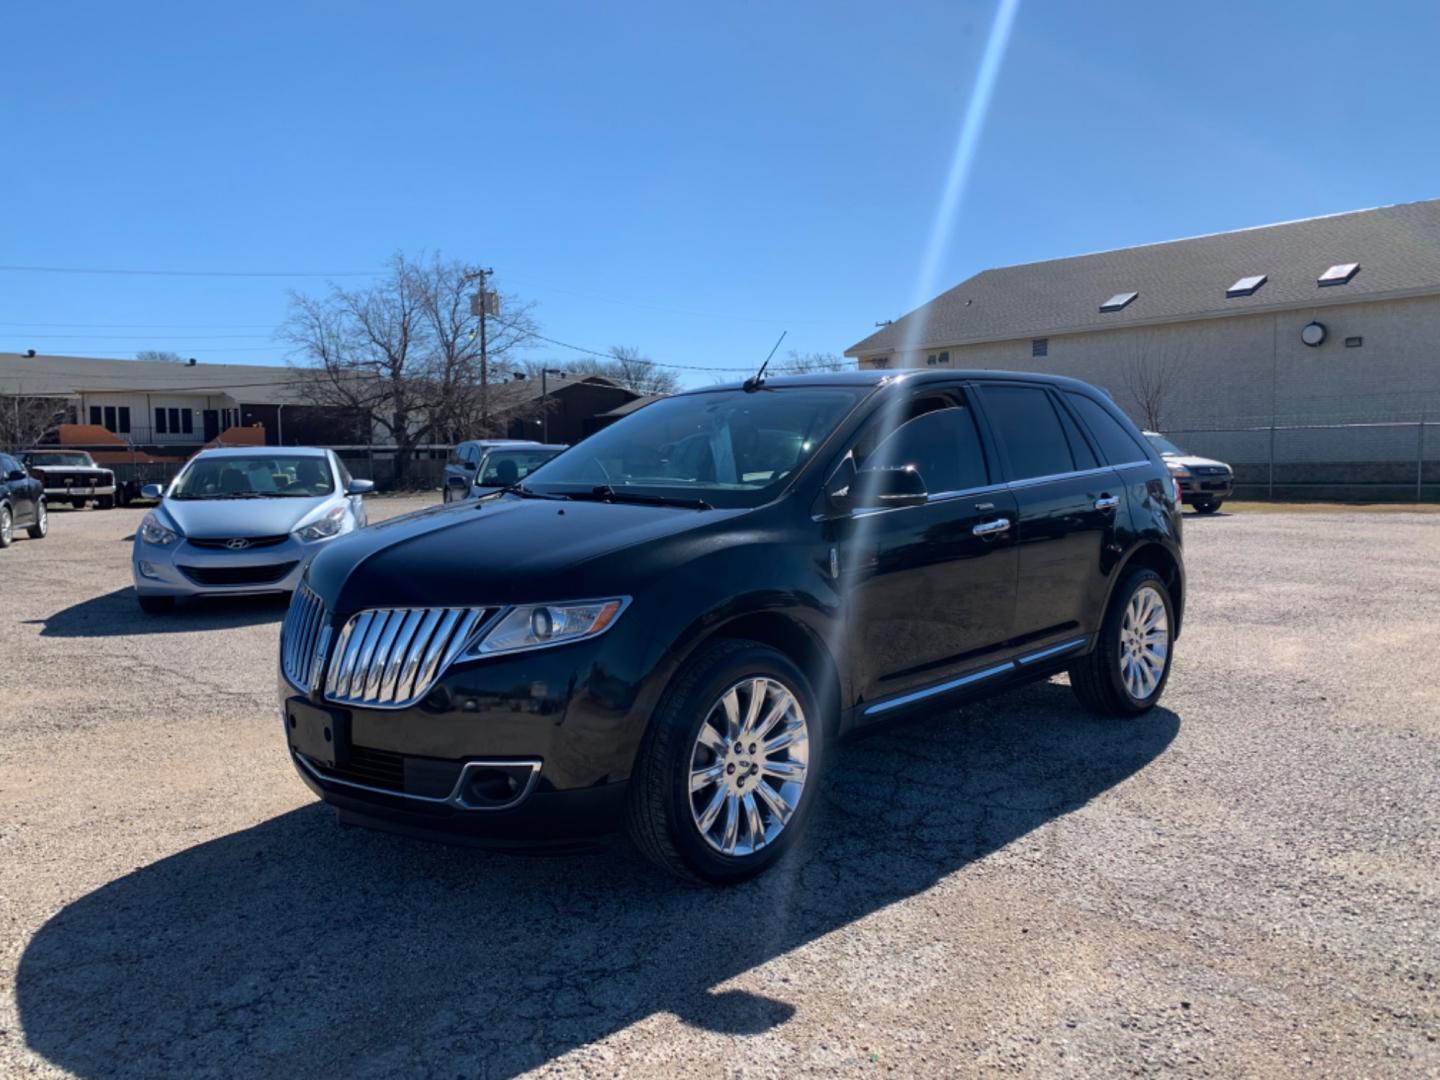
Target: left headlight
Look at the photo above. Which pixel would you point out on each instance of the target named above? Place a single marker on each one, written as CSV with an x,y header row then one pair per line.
x,y
154,531
324,528
1177,470
535,626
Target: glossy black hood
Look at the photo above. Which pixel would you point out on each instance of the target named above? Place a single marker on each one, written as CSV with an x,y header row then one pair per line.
x,y
502,550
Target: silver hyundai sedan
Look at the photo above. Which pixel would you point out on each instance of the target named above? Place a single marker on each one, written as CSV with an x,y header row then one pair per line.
x,y
242,521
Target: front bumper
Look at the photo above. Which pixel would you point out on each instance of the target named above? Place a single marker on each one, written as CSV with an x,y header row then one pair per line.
x,y
80,491
564,721
1195,489
179,569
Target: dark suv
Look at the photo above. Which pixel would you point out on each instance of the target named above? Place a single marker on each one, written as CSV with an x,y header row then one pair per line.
x,y
666,626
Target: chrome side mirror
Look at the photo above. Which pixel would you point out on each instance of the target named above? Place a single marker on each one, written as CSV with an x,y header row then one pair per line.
x,y
152,491
359,487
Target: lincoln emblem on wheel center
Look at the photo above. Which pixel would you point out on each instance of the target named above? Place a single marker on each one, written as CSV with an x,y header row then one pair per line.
x,y
665,627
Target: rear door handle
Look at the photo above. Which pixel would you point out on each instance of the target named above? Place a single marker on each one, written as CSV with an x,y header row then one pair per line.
x,y
1107,502
992,528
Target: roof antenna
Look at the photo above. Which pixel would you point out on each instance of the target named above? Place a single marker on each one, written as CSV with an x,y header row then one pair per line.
x,y
756,381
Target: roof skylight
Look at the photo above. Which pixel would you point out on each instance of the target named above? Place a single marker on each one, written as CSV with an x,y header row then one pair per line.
x,y
1246,286
1118,301
1339,274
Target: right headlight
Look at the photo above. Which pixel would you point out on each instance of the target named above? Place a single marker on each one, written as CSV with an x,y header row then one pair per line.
x,y
1178,470
154,531
537,626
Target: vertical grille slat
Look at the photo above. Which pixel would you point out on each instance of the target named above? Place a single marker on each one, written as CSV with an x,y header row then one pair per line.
x,y
390,657
300,635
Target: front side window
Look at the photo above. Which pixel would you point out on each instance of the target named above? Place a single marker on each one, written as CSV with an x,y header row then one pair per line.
x,y
255,476
726,447
1025,421
942,444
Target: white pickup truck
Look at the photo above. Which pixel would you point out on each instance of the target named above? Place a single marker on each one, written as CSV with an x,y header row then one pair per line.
x,y
72,476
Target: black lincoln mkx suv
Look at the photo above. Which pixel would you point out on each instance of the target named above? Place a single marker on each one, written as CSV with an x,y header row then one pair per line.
x,y
665,627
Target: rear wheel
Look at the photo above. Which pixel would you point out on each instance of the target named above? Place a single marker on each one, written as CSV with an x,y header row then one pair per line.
x,y
726,774
155,605
7,526
1208,507
42,522
1126,672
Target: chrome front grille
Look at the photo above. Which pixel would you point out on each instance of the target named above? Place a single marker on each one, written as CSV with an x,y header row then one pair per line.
x,y
390,657
300,636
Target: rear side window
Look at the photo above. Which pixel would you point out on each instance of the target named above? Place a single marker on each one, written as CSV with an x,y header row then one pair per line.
x,y
944,447
1117,444
1079,448
1026,422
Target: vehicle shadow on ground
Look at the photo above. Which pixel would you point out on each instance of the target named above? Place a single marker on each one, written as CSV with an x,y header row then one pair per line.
x,y
117,614
297,947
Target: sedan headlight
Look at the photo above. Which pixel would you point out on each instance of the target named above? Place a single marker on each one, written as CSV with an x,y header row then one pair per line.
x,y
1177,470
153,530
326,527
536,626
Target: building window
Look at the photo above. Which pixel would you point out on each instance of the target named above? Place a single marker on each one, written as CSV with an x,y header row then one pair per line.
x,y
160,428
124,420
95,415
174,421
109,417
939,359
1040,346
187,421
881,362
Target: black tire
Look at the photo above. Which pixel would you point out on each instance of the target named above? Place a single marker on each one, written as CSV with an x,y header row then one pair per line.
x,y
106,502
1207,507
659,816
1096,678
77,504
7,527
41,528
155,605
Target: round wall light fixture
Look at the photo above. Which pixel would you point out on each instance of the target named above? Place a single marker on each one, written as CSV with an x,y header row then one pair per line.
x,y
1313,333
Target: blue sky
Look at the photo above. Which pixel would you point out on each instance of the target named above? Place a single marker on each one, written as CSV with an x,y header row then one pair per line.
x,y
689,179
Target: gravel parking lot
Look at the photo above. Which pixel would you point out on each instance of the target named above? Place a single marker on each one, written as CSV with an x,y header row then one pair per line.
x,y
1244,882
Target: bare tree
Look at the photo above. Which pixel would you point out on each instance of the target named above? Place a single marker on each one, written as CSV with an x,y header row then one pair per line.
x,y
23,420
164,356
405,352
625,366
805,363
1152,374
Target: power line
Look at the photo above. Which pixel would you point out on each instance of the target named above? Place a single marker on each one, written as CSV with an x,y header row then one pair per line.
x,y
610,356
191,273
145,326
147,337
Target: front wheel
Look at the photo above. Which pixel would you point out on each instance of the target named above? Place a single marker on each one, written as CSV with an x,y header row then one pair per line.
x,y
42,523
1125,674
726,774
7,527
1208,507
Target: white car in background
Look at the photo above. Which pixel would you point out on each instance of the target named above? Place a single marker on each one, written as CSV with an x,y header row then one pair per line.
x,y
242,521
1204,483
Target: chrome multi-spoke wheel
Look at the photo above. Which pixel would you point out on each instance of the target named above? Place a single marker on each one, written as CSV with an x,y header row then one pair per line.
x,y
1144,642
7,527
748,766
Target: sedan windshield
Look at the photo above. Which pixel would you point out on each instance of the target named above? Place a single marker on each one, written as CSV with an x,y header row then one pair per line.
x,y
56,461
1164,445
723,448
258,476
502,468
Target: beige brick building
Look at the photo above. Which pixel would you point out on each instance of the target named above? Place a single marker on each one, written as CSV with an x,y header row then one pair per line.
x,y
1306,353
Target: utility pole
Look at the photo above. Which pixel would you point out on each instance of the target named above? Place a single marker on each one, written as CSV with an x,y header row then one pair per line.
x,y
480,305
545,402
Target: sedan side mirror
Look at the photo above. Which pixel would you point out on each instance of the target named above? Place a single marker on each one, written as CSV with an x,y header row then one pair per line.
x,y
888,487
15,474
359,487
152,491
459,483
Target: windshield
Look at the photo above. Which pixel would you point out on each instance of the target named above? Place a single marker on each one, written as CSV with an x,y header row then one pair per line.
x,y
504,467
1164,445
269,476
59,460
726,447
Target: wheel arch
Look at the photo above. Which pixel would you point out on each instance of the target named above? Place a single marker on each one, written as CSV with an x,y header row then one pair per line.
x,y
1159,558
801,644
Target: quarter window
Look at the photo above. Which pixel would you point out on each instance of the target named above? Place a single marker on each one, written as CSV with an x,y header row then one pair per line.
x,y
1079,449
1117,444
1026,422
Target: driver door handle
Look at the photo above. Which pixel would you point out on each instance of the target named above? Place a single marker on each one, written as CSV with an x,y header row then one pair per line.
x,y
992,528
1107,502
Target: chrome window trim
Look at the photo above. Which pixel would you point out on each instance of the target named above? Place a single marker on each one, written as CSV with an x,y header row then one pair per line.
x,y
937,497
1032,481
1053,650
455,798
939,688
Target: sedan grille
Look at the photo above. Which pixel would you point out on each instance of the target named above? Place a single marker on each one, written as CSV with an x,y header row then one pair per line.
x,y
300,636
390,657
236,543
238,575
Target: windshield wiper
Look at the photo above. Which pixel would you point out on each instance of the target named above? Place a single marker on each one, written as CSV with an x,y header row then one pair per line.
x,y
529,493
606,493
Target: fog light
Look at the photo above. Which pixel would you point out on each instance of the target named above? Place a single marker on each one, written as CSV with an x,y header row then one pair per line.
x,y
148,569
